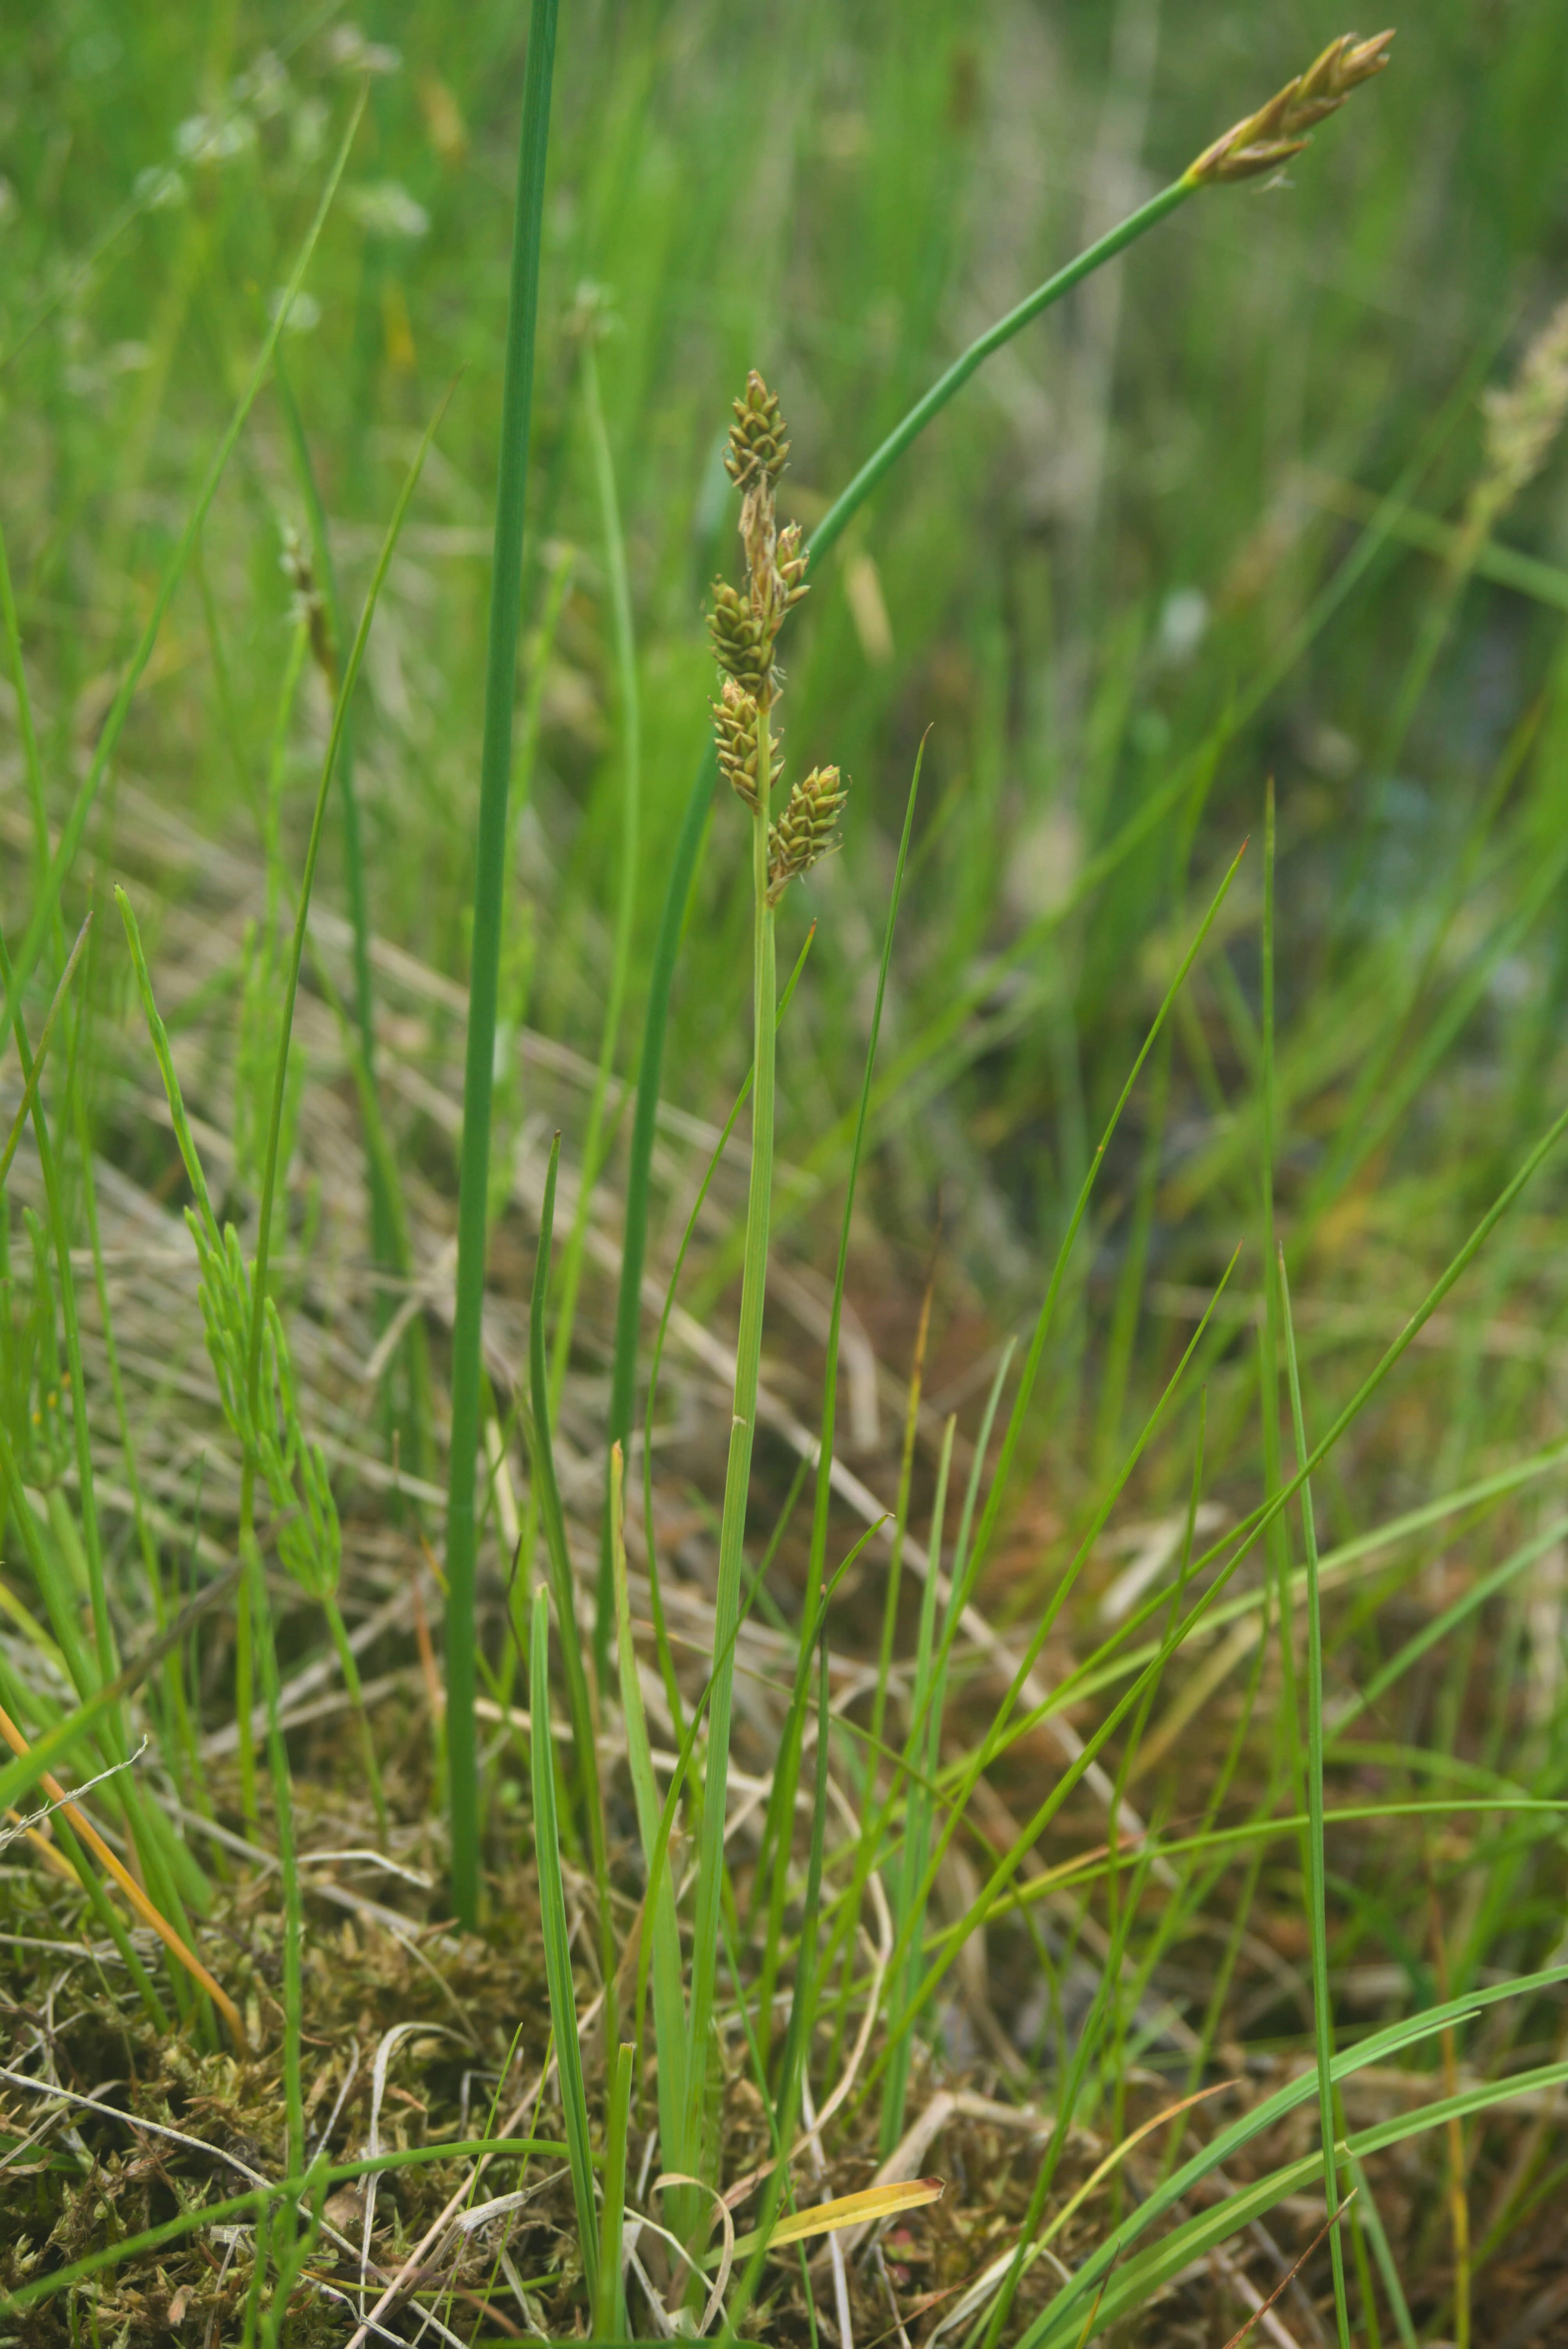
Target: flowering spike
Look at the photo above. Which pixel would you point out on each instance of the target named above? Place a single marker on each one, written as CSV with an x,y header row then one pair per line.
x,y
759,448
1279,129
803,834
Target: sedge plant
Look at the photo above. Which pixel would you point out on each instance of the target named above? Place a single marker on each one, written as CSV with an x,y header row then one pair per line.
x,y
804,1926
1261,142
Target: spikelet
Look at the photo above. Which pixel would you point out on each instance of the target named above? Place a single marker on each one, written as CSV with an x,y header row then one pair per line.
x,y
1525,418
789,560
1279,129
310,605
758,446
744,626
803,834
742,639
735,732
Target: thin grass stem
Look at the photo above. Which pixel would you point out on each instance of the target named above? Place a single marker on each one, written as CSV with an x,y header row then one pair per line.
x,y
1316,1867
626,852
742,1433
557,1949
478,1070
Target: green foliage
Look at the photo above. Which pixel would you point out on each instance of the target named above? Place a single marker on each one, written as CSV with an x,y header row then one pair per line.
x,y
1276,490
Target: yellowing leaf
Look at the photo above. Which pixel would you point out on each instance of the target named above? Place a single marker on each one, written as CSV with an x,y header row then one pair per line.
x,y
848,2211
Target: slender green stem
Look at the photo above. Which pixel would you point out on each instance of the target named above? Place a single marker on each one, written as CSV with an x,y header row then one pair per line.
x,y
626,829
32,766
347,1665
661,1632
478,1073
881,461
742,1430
901,1522
922,1743
779,1823
802,2004
546,1493
282,1810
1316,1860
353,844
1269,1336
557,1945
610,2314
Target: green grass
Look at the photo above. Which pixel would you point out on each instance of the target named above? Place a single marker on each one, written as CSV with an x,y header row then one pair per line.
x,y
1144,1249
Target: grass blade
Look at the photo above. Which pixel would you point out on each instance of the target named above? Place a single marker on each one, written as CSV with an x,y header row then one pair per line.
x,y
630,712
1055,2321
610,2312
778,1822
803,2010
484,976
45,1037
547,1492
870,2207
669,1999
557,1948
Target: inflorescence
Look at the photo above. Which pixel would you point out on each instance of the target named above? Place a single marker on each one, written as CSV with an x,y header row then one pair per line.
x,y
744,626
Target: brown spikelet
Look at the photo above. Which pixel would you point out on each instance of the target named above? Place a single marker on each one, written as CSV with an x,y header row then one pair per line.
x,y
734,735
803,834
310,605
1278,130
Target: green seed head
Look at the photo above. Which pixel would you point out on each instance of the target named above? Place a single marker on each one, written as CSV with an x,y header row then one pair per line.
x,y
759,448
1278,130
803,834
742,637
735,733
